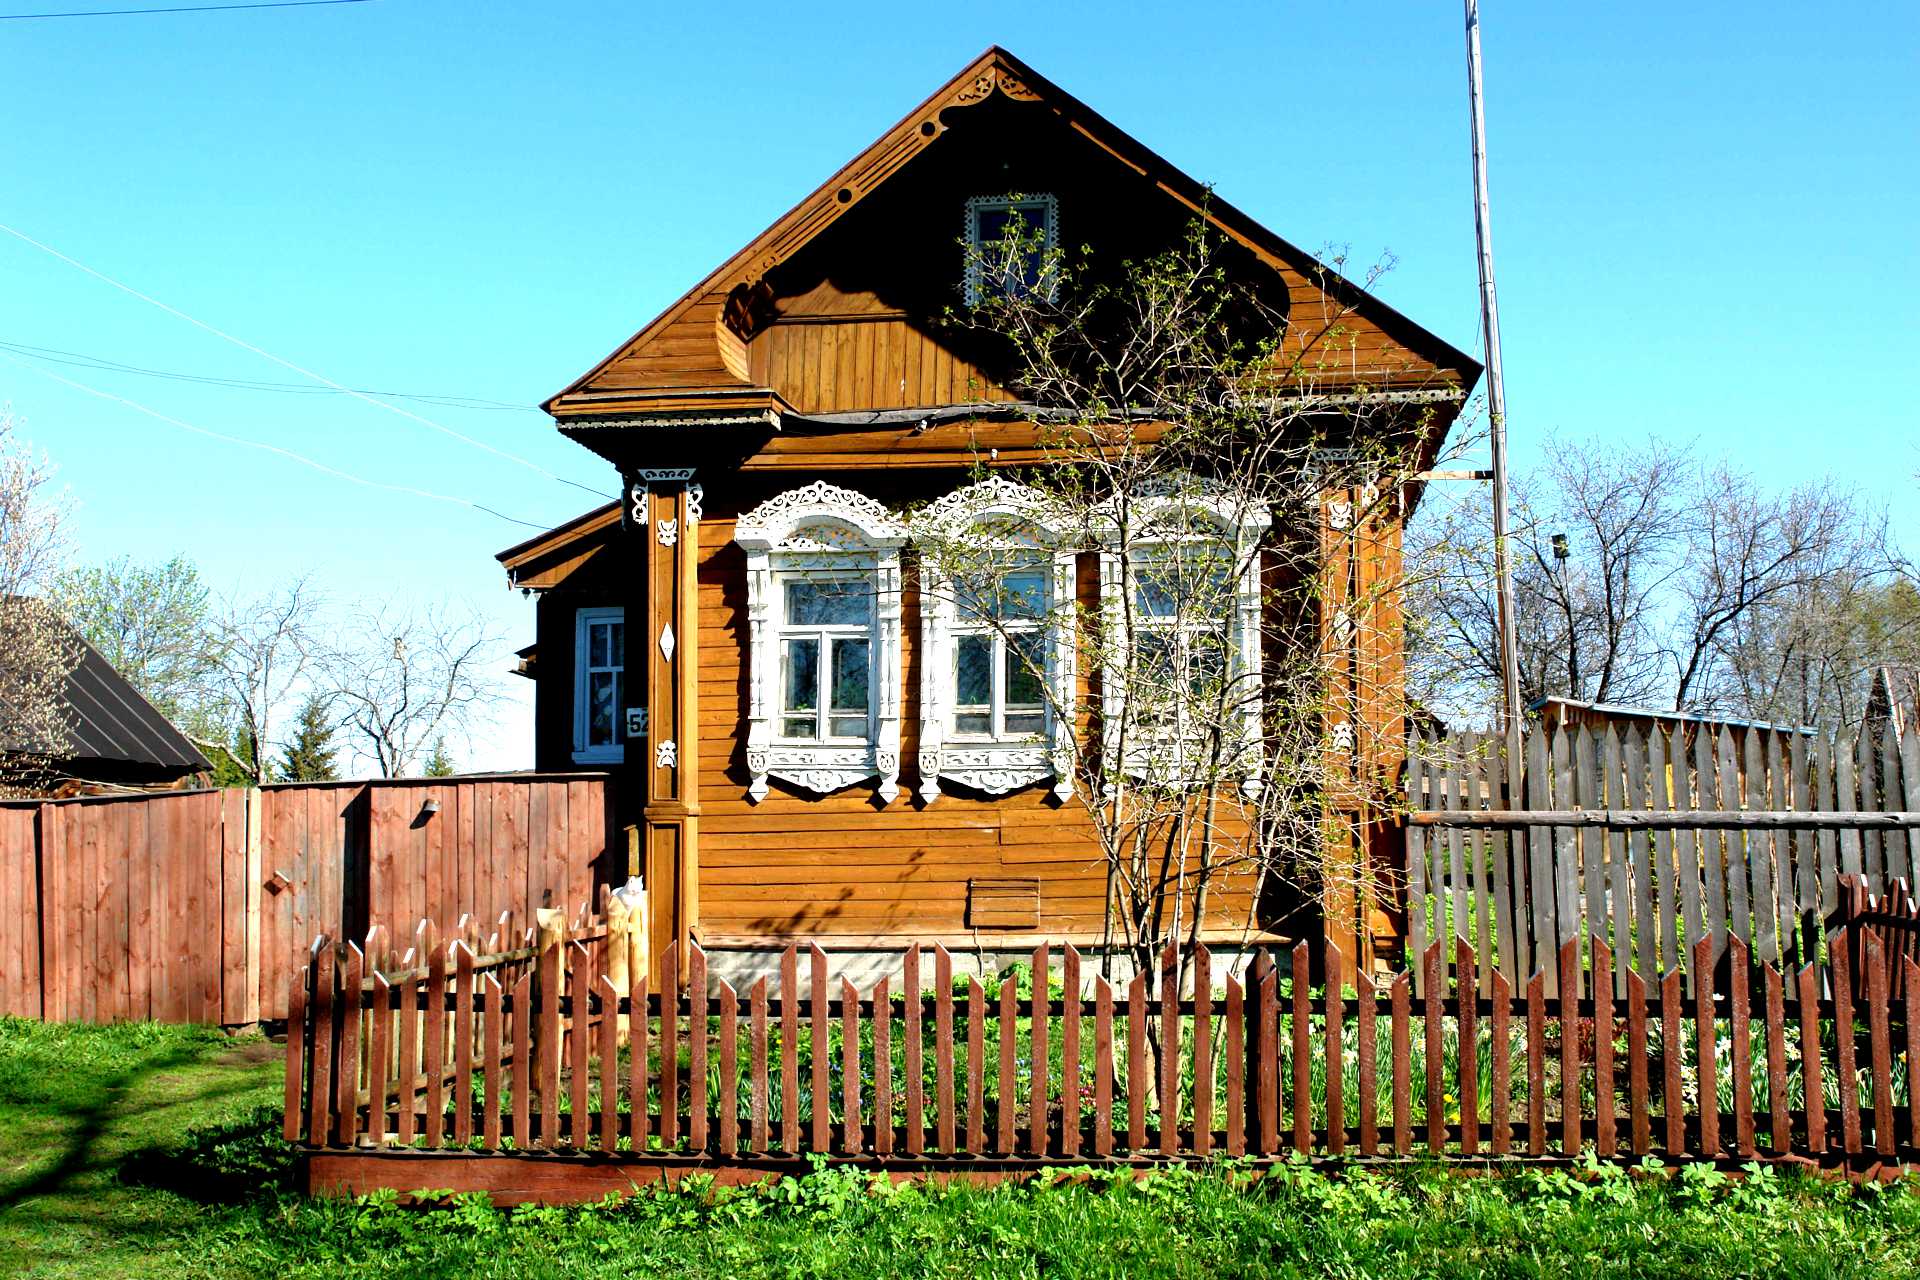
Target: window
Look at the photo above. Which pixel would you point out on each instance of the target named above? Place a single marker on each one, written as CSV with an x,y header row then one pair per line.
x,y
823,635
599,697
826,659
996,638
1008,240
1188,648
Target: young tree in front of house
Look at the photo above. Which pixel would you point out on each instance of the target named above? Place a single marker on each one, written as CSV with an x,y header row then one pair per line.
x,y
37,652
310,754
1231,709
407,675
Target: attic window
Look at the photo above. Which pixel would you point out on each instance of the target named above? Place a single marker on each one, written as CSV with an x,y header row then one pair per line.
x,y
1008,240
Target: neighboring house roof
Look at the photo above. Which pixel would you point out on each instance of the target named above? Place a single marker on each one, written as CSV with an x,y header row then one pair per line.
x,y
689,364
1568,710
112,723
544,559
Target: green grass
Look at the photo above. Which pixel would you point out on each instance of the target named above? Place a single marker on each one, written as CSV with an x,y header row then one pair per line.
x,y
146,1150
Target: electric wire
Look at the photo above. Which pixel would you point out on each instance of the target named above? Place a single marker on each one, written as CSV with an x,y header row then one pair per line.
x,y
184,8
303,371
264,446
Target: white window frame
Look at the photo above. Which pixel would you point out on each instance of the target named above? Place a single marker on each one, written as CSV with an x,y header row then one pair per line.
x,y
1016,526
1163,516
583,751
1049,208
823,531
828,636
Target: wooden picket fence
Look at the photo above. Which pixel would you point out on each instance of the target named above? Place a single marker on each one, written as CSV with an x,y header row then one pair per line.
x,y
530,1049
1652,841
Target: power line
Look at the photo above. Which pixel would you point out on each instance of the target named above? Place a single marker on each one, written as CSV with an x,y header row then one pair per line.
x,y
264,447
83,360
185,8
303,371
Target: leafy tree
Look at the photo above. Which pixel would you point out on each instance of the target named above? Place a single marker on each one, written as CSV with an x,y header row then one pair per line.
x,y
310,756
153,623
38,650
439,764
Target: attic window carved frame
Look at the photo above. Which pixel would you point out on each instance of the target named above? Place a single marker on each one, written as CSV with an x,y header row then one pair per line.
x,y
826,544
986,214
1172,518
1006,529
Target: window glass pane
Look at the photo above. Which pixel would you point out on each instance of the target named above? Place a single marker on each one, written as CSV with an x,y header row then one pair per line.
x,y
801,663
597,644
800,727
849,726
850,677
827,604
1206,661
1196,583
1011,267
1023,595
973,671
600,708
973,722
1025,721
619,630
1026,660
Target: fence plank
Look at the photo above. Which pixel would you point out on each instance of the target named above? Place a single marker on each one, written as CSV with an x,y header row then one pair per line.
x,y
1779,1110
976,1066
1509,920
1845,1069
1540,845
1667,775
1468,1051
609,1076
300,1042
851,1142
1732,849
1592,844
1477,844
1617,907
1673,1103
463,1043
1739,960
1566,864
1706,1048
1639,1090
1430,1066
522,1134
1169,1109
546,1040
1758,848
943,1047
434,1040
727,1103
1417,784
1812,1087
757,998
1202,1052
1879,1040
319,1094
579,1041
670,1048
1911,974
1267,1052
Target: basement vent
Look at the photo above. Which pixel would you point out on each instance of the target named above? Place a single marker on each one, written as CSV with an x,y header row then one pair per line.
x,y
1003,904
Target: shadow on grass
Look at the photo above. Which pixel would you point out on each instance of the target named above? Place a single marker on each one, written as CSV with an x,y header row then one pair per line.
x,y
206,1166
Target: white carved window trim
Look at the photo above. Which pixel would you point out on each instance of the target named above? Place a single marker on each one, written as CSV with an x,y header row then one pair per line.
x,y
1046,206
1177,503
585,752
824,530
983,762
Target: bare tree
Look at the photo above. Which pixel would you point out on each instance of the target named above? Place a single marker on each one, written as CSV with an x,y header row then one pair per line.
x,y
410,675
38,649
1210,460
1642,576
263,649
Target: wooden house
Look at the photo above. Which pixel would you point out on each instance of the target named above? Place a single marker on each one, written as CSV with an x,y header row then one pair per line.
x,y
782,414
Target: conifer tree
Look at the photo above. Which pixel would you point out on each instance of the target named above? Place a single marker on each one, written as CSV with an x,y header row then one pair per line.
x,y
310,756
439,764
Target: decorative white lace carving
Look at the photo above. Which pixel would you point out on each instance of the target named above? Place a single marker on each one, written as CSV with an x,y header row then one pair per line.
x,y
1000,522
668,532
666,755
821,528
695,495
667,642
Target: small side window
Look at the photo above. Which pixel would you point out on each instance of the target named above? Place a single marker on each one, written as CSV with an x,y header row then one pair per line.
x,y
599,685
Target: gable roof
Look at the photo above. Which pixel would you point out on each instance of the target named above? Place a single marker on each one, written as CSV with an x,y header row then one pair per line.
x,y
544,559
111,722
688,364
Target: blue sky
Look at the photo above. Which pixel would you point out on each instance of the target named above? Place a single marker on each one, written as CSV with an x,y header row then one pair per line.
x,y
1704,220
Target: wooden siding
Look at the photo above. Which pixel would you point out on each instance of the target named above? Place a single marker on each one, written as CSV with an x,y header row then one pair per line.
x,y
798,864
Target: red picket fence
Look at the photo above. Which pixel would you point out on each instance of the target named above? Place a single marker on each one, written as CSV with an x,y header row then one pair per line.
x,y
197,906
541,1052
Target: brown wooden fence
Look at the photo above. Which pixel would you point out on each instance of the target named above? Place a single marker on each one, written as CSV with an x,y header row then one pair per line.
x,y
1652,841
199,906
524,1051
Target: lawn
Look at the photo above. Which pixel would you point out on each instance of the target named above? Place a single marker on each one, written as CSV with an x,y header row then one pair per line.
x,y
143,1150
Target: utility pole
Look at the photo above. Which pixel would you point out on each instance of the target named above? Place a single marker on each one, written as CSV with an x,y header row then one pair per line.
x,y
1496,407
